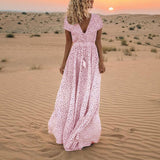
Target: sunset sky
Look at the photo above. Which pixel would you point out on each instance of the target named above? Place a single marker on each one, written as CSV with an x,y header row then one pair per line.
x,y
100,6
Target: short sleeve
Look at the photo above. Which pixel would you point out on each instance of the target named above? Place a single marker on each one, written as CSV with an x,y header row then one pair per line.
x,y
67,26
99,22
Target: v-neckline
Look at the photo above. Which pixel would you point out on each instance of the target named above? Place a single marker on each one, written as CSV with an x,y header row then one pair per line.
x,y
87,26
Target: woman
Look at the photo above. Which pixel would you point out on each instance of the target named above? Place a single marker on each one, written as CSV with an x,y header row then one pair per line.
x,y
75,122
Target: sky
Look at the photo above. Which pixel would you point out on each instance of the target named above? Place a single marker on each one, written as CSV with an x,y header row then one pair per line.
x,y
100,6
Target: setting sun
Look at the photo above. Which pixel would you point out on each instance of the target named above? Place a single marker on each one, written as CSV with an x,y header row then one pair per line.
x,y
110,8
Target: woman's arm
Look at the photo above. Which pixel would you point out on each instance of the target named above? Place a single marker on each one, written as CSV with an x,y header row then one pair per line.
x,y
99,46
100,51
68,46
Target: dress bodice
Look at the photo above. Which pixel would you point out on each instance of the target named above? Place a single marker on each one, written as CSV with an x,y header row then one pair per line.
x,y
94,25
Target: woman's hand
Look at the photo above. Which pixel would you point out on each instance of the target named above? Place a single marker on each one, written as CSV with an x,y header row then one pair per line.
x,y
101,67
62,68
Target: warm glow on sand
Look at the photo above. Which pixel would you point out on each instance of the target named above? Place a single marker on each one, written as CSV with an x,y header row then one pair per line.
x,y
110,8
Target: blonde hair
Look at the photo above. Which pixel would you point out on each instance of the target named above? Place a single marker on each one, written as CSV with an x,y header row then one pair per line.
x,y
77,10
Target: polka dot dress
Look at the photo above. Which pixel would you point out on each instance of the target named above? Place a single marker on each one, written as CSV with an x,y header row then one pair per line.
x,y
75,121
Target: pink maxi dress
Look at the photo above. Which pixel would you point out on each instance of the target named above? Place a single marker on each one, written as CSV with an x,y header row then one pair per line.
x,y
75,121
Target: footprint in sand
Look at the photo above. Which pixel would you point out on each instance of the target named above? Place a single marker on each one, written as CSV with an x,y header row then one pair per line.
x,y
117,135
116,129
132,130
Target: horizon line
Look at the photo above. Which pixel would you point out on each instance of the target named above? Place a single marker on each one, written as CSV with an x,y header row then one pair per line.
x,y
116,13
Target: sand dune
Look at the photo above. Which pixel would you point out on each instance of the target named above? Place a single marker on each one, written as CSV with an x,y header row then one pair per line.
x,y
130,90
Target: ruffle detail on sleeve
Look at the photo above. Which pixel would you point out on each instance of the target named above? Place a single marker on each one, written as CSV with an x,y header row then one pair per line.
x,y
99,22
67,26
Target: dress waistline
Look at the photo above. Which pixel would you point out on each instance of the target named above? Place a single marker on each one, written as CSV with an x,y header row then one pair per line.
x,y
83,43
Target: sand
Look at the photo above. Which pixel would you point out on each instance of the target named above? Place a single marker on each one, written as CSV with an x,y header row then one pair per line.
x,y
130,89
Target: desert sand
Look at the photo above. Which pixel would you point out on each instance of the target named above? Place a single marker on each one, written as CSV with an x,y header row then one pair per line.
x,y
30,58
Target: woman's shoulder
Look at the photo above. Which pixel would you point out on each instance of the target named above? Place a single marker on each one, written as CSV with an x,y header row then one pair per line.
x,y
98,21
67,25
97,15
66,20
